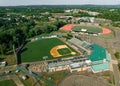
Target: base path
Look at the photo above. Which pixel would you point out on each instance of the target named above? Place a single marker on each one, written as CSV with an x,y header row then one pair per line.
x,y
54,51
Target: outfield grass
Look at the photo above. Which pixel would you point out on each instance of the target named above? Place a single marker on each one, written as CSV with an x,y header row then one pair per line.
x,y
7,83
89,29
35,51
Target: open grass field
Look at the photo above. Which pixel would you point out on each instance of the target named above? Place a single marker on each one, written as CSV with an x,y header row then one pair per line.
x,y
89,29
40,50
7,83
28,82
56,77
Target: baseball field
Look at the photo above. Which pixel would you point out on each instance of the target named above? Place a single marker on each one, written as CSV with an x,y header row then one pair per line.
x,y
46,49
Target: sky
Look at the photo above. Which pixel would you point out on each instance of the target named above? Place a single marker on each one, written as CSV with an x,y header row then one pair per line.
x,y
57,2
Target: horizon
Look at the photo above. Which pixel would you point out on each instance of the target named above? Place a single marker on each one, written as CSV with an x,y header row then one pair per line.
x,y
61,5
58,2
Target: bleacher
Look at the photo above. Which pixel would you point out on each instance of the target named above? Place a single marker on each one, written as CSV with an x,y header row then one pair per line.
x,y
86,45
82,46
58,63
61,63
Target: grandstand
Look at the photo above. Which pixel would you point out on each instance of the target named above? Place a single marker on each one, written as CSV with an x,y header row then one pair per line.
x,y
72,64
82,46
92,56
98,55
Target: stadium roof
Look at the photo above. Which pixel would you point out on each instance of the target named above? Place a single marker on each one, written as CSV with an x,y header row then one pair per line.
x,y
101,67
98,53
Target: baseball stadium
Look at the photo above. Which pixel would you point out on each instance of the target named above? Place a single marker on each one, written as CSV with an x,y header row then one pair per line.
x,y
84,28
97,57
74,55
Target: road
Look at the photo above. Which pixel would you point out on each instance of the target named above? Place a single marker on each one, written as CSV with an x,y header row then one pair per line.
x,y
116,75
36,82
114,64
116,44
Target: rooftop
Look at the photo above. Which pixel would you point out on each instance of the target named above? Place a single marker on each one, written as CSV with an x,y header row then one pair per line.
x,y
100,67
98,53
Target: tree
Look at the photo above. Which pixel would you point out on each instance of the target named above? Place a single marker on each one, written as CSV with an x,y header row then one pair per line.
x,y
20,36
59,24
117,55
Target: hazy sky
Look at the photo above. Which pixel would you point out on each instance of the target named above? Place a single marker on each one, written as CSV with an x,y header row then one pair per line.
x,y
57,2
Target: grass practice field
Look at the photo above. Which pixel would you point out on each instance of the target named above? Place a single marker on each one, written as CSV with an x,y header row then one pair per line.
x,y
7,83
46,49
89,29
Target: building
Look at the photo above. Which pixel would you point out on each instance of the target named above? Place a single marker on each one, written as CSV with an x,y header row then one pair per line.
x,y
2,64
67,11
100,58
92,57
98,55
93,13
77,64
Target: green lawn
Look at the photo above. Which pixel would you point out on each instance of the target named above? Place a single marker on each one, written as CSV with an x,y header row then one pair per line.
x,y
89,29
7,83
35,51
28,82
55,77
64,51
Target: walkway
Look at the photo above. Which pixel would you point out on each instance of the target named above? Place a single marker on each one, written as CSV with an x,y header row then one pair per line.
x,y
114,69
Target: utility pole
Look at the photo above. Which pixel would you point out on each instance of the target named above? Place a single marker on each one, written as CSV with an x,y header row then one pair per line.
x,y
14,53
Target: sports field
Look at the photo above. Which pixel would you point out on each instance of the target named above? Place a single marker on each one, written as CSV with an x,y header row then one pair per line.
x,y
89,29
42,49
7,83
